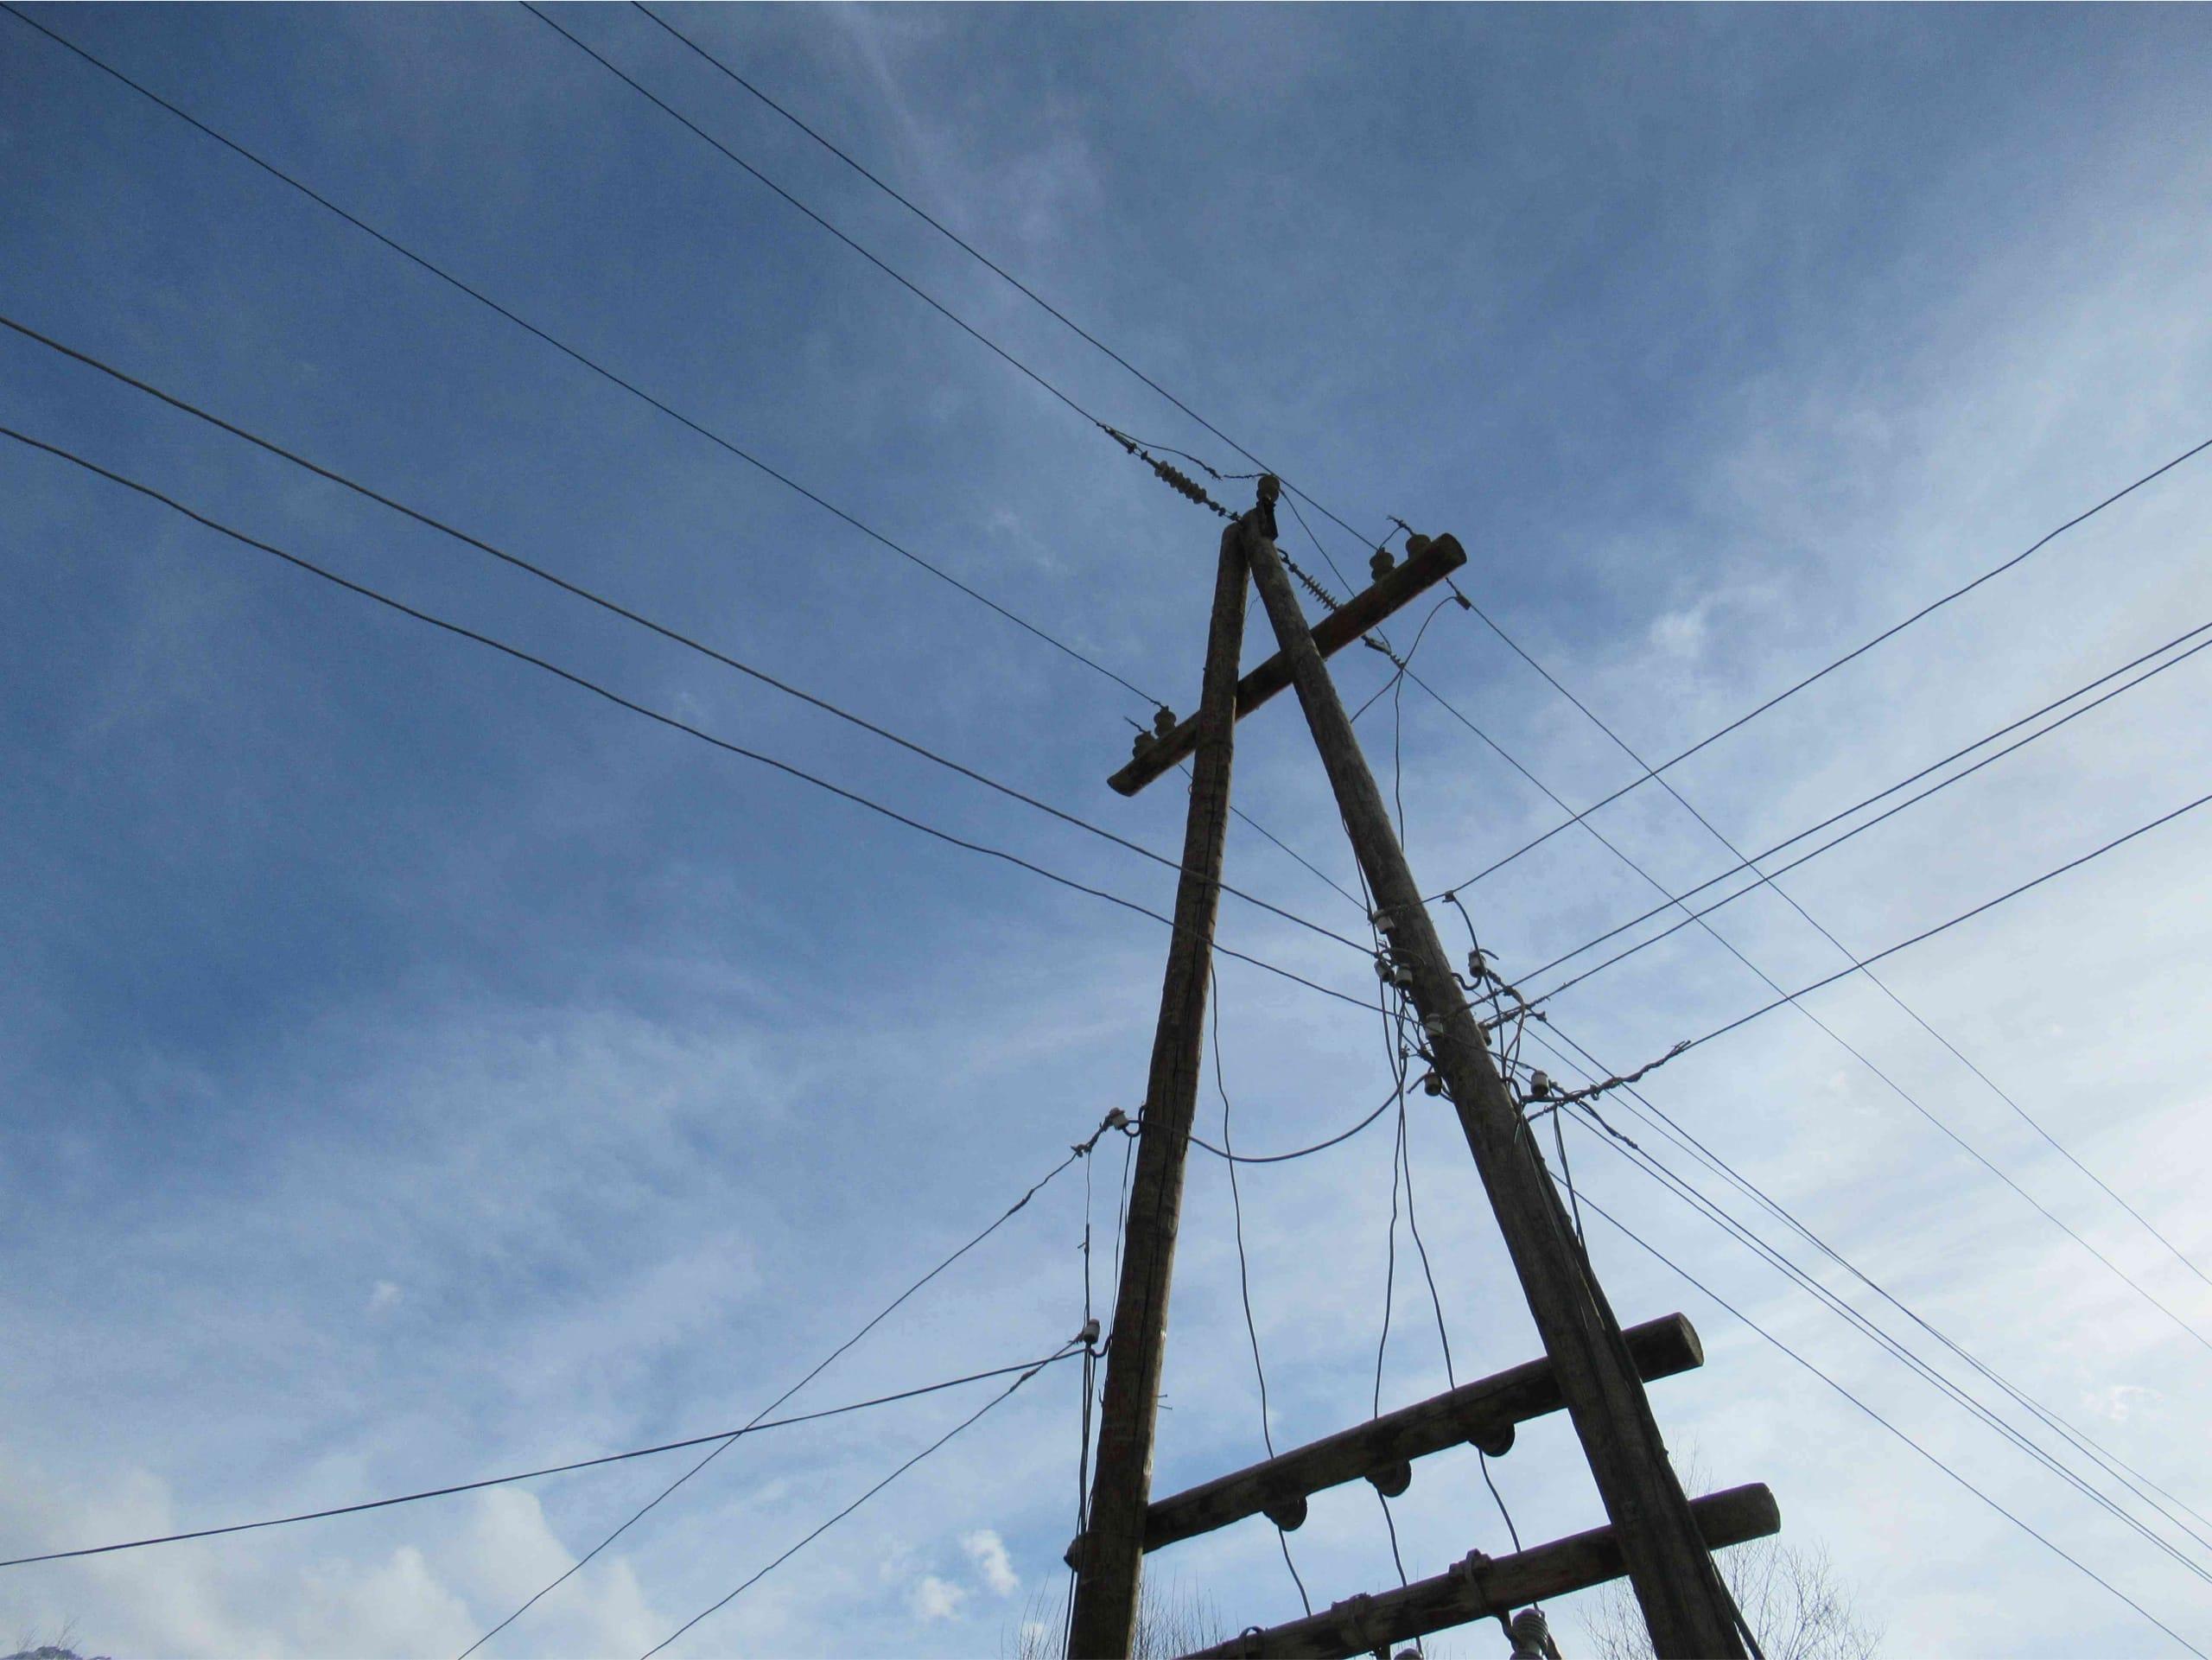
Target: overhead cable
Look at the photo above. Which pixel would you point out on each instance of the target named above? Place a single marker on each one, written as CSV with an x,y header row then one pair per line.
x,y
1889,951
1768,879
1030,293
1837,818
1648,1112
1755,861
640,619
1081,1149
715,438
1941,1464
747,1585
725,1436
1650,774
585,360
1655,1170
1288,485
1244,1285
656,716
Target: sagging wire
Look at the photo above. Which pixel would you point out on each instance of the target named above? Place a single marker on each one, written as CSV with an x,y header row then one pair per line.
x,y
1244,1276
1395,683
1066,1349
1396,1054
1079,1150
1486,983
1399,1052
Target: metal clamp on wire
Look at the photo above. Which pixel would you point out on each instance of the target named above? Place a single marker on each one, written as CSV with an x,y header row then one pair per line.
x,y
1473,1567
1360,1629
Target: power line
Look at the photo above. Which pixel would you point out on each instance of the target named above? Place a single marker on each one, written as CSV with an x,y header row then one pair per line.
x,y
669,721
973,253
1236,811
1837,818
599,369
1754,861
1059,315
1336,1140
1792,999
918,292
895,195
1891,1346
2040,1538
1841,1042
1902,1093
1821,928
1652,773
960,243
1124,683
1082,1149
573,354
640,619
1651,1114
1657,1171
1941,927
1790,691
725,1436
856,1504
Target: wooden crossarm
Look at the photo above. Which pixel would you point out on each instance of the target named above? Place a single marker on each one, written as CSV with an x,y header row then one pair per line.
x,y
1333,633
1483,1412
1480,1586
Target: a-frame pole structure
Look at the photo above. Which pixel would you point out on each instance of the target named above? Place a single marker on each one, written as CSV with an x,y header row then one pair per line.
x,y
1662,1542
1108,1576
1689,1610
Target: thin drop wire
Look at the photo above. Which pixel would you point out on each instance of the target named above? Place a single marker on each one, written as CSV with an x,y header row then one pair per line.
x,y
1244,1278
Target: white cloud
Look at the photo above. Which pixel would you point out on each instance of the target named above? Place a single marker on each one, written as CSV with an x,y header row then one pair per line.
x,y
1679,633
302,1592
2118,1402
934,1599
987,1551
384,1297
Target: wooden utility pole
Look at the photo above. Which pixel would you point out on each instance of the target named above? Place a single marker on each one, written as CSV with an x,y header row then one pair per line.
x,y
1686,1607
1113,1560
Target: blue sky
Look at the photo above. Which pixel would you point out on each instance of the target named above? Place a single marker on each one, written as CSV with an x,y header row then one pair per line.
x,y
417,1069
